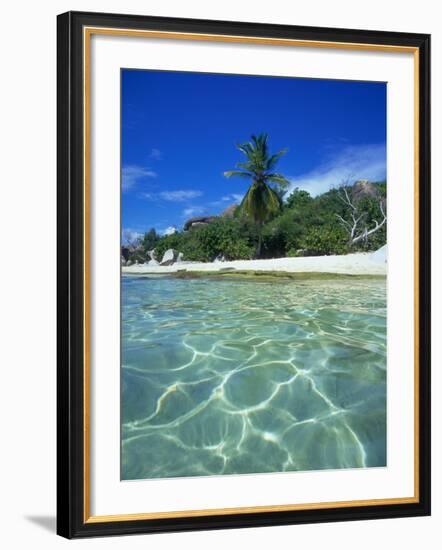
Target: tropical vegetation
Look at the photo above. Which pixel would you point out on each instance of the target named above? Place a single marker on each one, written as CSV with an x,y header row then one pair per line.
x,y
302,225
271,222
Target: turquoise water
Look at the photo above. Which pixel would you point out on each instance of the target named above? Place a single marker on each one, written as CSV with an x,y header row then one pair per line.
x,y
233,377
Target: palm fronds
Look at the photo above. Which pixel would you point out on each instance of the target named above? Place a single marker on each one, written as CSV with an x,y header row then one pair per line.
x,y
259,203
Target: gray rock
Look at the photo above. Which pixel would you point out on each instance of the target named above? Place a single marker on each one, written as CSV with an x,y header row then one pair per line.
x,y
180,258
380,256
169,257
363,188
198,221
229,212
125,252
219,258
152,254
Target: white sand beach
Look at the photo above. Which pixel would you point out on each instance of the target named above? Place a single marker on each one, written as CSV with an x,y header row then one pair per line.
x,y
351,264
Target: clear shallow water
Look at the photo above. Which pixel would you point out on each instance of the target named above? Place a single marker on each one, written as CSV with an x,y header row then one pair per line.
x,y
231,377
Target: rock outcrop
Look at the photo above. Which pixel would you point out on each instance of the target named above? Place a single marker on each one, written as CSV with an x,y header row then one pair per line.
x,y
169,257
198,221
125,252
380,255
363,188
229,212
152,254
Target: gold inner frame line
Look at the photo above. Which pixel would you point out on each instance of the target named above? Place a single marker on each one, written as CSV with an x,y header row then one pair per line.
x,y
87,34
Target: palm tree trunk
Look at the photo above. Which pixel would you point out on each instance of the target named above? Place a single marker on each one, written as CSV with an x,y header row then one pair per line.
x,y
258,248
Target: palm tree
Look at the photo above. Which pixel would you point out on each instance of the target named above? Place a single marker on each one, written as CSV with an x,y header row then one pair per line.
x,y
262,200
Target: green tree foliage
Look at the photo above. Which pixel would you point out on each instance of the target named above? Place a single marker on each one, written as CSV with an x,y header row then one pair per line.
x,y
310,226
175,240
299,199
137,256
222,237
150,240
322,240
305,226
281,234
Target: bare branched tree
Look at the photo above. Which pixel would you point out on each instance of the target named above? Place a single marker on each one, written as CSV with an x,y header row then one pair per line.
x,y
356,225
131,239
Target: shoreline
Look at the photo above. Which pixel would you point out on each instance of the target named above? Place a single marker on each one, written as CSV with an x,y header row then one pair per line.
x,y
360,264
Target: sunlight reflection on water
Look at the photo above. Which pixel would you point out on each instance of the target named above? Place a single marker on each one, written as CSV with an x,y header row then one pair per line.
x,y
231,377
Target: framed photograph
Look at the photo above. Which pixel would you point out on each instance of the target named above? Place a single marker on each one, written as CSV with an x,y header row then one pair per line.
x,y
243,274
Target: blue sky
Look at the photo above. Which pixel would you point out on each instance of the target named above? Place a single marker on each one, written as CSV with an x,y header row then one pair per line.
x,y
179,132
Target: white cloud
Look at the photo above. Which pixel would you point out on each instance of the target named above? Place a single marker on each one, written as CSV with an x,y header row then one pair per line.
x,y
233,197
156,154
179,196
131,174
352,162
172,196
194,211
168,231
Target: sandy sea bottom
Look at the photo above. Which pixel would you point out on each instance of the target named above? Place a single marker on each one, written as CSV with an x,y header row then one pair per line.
x,y
232,377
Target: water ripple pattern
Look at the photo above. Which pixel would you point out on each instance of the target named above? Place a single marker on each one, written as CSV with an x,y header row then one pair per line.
x,y
234,377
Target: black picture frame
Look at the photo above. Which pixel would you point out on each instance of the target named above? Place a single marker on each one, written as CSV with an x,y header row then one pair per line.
x,y
71,519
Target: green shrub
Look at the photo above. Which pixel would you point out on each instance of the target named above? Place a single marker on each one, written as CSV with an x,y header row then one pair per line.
x,y
150,240
280,234
137,256
299,199
175,241
325,240
295,252
222,237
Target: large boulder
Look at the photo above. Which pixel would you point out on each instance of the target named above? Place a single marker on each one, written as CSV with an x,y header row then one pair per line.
x,y
229,212
151,263
380,256
180,258
169,257
363,188
198,221
152,254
